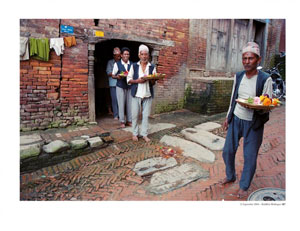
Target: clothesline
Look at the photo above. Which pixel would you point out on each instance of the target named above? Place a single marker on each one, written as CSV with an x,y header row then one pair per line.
x,y
39,48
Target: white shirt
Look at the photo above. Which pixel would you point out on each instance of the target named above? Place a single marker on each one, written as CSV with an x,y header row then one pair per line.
x,y
143,89
248,89
116,69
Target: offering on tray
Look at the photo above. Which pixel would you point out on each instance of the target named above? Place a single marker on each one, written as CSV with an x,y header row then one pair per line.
x,y
123,74
262,102
154,76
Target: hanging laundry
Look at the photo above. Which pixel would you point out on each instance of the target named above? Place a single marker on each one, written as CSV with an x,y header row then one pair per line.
x,y
70,41
39,48
58,45
24,50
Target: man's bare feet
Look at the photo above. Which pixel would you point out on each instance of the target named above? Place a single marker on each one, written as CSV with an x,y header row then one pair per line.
x,y
226,181
122,125
242,193
135,138
146,139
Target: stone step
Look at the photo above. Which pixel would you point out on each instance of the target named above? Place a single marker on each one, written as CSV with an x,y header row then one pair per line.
x,y
152,165
179,176
208,126
189,148
207,139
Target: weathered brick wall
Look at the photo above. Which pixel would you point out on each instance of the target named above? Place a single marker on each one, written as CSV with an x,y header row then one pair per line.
x,y
273,40
53,93
172,61
39,80
209,95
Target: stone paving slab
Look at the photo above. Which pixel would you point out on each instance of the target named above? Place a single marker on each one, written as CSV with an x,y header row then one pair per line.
x,y
154,127
30,150
78,144
189,148
29,139
204,138
208,126
150,166
95,141
56,146
174,178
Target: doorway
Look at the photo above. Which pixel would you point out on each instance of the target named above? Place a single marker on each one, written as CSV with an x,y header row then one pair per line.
x,y
102,54
259,36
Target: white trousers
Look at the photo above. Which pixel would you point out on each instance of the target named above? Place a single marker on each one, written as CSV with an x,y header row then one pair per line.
x,y
137,105
124,99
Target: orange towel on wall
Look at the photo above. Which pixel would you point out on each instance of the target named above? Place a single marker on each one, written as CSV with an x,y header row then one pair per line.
x,y
70,41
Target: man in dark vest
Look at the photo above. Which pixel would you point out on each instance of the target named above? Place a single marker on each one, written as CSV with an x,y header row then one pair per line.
x,y
123,92
245,122
142,92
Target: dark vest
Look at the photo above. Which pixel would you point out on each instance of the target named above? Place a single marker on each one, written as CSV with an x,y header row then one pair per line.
x,y
134,86
259,119
122,83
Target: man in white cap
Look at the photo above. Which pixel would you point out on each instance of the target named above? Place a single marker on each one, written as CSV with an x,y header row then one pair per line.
x,y
245,122
142,92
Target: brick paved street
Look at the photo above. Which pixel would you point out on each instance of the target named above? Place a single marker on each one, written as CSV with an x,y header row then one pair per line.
x,y
108,174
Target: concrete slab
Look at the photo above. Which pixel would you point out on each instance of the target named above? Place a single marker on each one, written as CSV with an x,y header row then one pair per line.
x,y
154,127
30,139
208,126
179,176
190,149
204,138
150,166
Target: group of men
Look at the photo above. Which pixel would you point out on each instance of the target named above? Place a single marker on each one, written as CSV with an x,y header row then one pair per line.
x,y
132,93
137,94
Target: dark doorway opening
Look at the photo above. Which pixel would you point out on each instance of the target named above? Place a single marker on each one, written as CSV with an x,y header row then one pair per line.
x,y
103,53
259,35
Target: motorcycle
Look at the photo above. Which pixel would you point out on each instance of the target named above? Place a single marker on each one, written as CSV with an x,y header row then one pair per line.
x,y
277,82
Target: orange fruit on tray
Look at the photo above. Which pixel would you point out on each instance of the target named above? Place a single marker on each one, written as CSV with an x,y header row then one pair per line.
x,y
267,102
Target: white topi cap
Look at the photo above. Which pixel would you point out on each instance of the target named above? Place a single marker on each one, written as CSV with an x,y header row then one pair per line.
x,y
143,48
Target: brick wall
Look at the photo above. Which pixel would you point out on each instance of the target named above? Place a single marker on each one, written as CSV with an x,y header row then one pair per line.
x,y
53,93
273,41
208,95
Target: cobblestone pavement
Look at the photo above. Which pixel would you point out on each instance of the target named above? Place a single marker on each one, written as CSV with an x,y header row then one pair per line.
x,y
107,174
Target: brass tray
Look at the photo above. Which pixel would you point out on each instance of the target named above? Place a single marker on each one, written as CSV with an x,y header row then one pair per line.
x,y
122,75
245,103
157,76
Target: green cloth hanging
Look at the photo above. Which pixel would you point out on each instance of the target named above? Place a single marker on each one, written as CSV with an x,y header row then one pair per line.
x,y
39,48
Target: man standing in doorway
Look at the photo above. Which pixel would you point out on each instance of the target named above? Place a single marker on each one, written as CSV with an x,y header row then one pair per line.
x,y
113,82
245,122
142,92
123,90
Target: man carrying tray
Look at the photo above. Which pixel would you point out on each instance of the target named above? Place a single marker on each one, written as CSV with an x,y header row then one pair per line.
x,y
142,92
123,90
244,122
